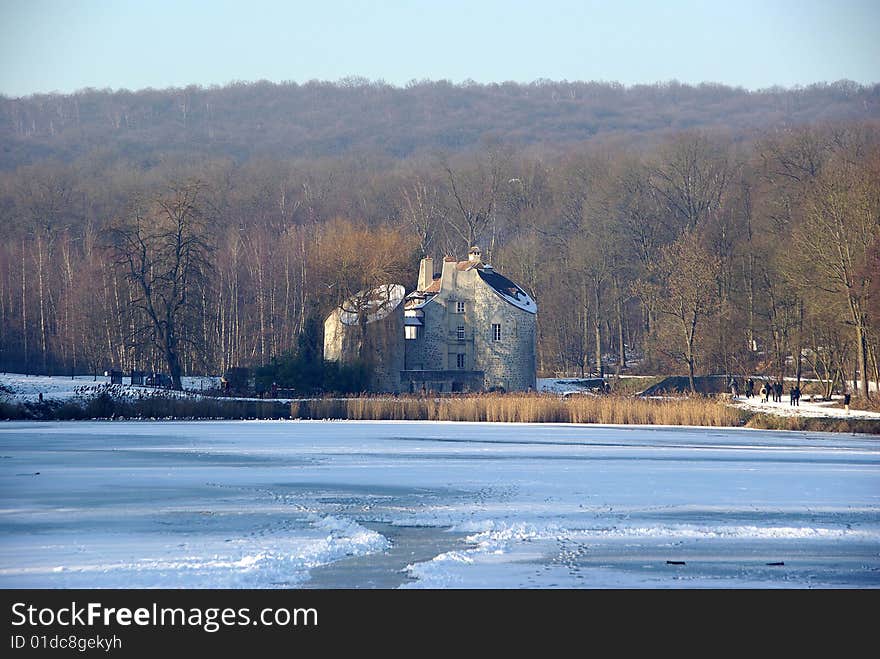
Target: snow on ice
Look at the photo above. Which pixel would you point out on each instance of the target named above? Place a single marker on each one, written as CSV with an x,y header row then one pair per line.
x,y
261,504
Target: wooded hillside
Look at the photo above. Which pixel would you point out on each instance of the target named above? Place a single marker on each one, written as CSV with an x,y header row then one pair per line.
x,y
242,121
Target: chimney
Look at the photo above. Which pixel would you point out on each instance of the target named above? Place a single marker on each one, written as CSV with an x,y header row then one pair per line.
x,y
426,273
474,254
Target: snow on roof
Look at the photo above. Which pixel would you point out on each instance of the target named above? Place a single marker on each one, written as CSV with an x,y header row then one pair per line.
x,y
377,304
507,290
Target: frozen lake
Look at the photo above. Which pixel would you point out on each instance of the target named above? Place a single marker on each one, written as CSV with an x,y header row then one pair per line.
x,y
387,504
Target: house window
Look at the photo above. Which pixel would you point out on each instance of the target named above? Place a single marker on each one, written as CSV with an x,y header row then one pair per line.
x,y
459,332
496,331
459,360
411,332
459,307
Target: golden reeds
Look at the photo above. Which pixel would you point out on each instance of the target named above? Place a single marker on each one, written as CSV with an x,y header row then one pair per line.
x,y
526,408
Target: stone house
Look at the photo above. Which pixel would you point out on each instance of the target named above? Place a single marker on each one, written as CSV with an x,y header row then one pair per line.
x,y
468,328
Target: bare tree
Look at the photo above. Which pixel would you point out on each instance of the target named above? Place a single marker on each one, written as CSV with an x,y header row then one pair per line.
x,y
682,289
474,194
421,209
163,247
691,178
841,223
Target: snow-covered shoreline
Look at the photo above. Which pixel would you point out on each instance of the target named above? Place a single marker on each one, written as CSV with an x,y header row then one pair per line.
x,y
20,388
27,388
829,409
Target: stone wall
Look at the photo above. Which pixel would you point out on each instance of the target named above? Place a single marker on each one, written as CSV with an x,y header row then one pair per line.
x,y
441,381
427,351
510,362
379,344
385,352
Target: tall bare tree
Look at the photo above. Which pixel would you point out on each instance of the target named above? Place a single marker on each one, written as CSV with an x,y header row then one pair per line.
x,y
691,178
474,194
840,226
682,289
422,211
164,249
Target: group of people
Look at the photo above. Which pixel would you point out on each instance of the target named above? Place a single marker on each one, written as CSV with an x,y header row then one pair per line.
x,y
773,389
767,390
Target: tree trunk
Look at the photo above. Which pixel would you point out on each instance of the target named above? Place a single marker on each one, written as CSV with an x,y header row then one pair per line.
x,y
873,352
597,326
24,330
862,345
690,334
174,370
800,342
621,345
690,361
585,360
41,285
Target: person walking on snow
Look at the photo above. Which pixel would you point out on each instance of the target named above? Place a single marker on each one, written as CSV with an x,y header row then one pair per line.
x,y
763,393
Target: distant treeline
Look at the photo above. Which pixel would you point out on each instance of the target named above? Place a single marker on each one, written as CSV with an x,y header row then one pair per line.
x,y
193,232
319,119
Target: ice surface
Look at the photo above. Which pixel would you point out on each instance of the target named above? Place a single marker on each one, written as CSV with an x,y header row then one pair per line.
x,y
259,504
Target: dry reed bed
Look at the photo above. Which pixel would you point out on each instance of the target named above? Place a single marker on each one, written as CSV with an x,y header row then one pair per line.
x,y
534,408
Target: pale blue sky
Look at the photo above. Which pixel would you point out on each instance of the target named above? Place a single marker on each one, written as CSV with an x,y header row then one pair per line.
x,y
56,45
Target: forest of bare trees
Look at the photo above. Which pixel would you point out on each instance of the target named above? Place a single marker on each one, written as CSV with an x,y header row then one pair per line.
x,y
691,251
